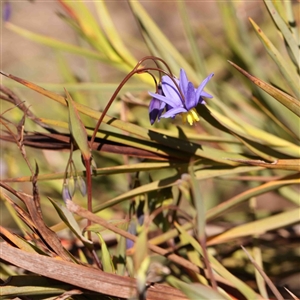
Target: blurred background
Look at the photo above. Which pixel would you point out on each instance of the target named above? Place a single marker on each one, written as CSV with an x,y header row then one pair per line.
x,y
54,69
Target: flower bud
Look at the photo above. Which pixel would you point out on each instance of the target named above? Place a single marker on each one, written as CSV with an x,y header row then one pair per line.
x,y
71,186
81,185
65,193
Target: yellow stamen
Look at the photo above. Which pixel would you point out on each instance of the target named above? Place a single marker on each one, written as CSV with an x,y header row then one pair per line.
x,y
191,116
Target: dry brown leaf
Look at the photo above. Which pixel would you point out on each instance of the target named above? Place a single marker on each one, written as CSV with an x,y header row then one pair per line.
x,y
83,276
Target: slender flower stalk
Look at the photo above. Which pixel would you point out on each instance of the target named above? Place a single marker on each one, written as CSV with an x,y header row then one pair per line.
x,y
177,96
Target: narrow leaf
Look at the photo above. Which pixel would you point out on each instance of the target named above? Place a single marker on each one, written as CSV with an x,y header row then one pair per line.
x,y
77,129
269,186
106,258
194,291
112,33
166,49
84,277
283,164
56,44
70,221
289,74
91,30
288,101
285,30
266,278
258,227
219,268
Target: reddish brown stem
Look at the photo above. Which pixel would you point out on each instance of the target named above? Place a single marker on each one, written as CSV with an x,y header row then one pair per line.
x,y
128,76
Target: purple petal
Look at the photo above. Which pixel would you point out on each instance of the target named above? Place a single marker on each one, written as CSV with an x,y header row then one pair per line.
x,y
65,193
170,89
170,101
190,99
161,109
183,82
156,108
201,101
202,85
206,95
6,11
173,112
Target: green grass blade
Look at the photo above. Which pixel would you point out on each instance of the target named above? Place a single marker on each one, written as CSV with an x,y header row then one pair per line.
x,y
247,132
285,30
112,34
199,205
266,278
289,73
220,269
32,285
56,44
168,182
91,29
291,21
194,291
258,227
288,101
106,257
69,219
229,204
93,87
281,164
198,59
77,129
170,54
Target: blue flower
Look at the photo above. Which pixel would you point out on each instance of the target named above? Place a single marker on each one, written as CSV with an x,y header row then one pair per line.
x,y
177,101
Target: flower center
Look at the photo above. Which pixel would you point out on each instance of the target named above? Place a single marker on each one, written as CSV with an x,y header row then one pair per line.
x,y
191,116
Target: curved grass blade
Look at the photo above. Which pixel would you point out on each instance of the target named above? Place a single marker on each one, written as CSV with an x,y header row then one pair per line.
x,y
219,268
271,115
285,30
289,74
112,34
235,35
281,164
16,240
201,223
170,54
59,45
168,182
269,186
19,216
258,227
91,30
257,254
254,138
264,275
77,129
291,21
194,291
197,56
104,171
32,285
68,218
96,219
106,258
90,87
56,44
291,103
